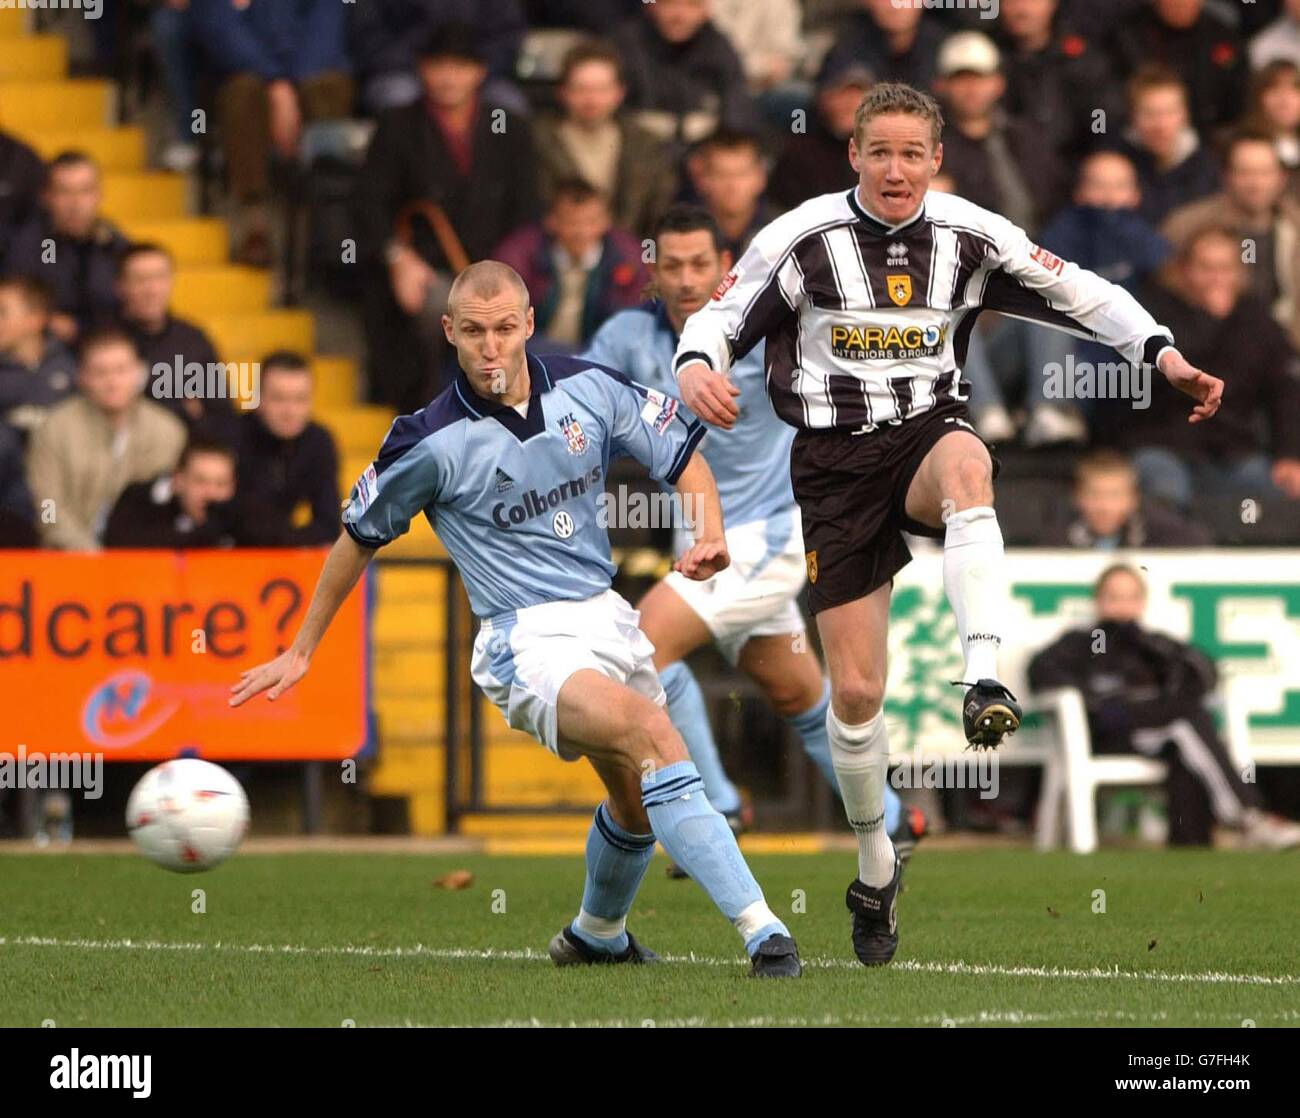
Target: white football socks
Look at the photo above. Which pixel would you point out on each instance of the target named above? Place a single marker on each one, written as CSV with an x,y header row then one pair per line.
x,y
974,578
860,755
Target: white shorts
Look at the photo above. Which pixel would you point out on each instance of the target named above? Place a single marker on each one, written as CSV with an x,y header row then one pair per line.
x,y
757,595
521,660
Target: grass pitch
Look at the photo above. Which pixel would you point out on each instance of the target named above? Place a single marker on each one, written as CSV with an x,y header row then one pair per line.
x,y
994,937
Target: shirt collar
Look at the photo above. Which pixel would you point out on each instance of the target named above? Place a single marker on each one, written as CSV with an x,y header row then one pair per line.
x,y
875,225
476,407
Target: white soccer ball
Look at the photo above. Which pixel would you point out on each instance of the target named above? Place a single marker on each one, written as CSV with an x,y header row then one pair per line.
x,y
187,815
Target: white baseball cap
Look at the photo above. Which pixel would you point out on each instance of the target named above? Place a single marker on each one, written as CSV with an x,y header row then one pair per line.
x,y
968,51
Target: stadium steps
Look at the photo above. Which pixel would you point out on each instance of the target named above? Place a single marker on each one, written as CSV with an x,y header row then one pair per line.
x,y
145,194
219,289
250,337
13,24
33,106
34,58
193,241
358,430
114,149
336,381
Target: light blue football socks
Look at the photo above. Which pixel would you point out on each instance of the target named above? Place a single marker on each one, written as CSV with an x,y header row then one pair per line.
x,y
616,863
690,717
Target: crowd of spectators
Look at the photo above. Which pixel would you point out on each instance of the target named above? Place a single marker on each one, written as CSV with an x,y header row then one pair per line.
x,y
1156,142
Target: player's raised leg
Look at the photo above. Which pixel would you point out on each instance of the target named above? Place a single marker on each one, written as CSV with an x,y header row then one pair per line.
x,y
631,739
854,640
953,489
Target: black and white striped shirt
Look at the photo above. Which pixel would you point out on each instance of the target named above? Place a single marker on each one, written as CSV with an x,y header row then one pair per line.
x,y
868,324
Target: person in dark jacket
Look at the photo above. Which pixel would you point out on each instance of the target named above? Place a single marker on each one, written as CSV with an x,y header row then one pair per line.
x,y
193,507
1146,692
1057,80
17,512
1255,451
577,268
386,36
1109,511
22,174
473,160
684,79
37,370
1195,43
1173,168
896,42
278,63
80,269
729,174
817,161
288,466
145,277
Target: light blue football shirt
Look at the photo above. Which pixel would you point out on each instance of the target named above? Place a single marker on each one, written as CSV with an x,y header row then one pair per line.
x,y
751,462
516,499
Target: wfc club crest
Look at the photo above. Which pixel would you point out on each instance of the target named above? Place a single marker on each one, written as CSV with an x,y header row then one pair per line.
x,y
574,435
900,289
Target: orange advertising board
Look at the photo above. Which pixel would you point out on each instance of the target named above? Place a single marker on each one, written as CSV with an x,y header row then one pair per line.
x,y
133,653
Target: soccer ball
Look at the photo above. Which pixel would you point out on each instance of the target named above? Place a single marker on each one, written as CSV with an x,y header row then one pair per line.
x,y
187,815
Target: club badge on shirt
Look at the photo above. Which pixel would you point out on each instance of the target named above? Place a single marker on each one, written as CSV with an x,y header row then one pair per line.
x,y
574,435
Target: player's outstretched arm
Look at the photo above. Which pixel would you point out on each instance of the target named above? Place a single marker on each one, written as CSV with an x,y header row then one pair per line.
x,y
710,395
698,492
1186,377
343,566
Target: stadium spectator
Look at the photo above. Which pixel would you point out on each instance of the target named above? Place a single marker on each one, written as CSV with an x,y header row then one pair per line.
x,y
22,175
767,36
95,444
891,40
684,79
1280,40
601,16
1195,43
279,63
1173,169
79,267
386,37
1253,448
473,161
1102,230
145,278
193,506
1275,111
730,177
171,24
817,161
592,140
37,370
17,528
1057,80
288,469
1110,513
1146,692
1254,206
579,268
997,160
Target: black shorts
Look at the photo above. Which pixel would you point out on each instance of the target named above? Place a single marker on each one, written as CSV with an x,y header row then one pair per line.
x,y
851,491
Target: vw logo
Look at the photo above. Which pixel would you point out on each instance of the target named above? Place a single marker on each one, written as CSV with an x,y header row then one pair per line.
x,y
562,524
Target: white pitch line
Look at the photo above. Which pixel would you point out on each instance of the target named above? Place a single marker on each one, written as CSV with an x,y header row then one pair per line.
x,y
419,950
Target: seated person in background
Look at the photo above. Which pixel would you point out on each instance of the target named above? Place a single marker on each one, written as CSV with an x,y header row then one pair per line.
x,y
194,506
22,174
684,79
385,38
896,42
766,35
37,370
1275,112
1254,205
288,466
590,139
96,443
17,527
145,277
577,268
1196,42
730,176
1280,39
817,161
80,269
451,148
278,65
1255,451
1110,513
1146,692
1173,169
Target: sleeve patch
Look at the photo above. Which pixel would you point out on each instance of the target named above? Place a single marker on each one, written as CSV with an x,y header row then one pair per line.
x,y
367,487
658,410
727,282
1051,262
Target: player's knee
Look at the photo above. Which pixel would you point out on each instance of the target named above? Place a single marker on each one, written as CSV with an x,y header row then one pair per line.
x,y
859,700
971,480
791,696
